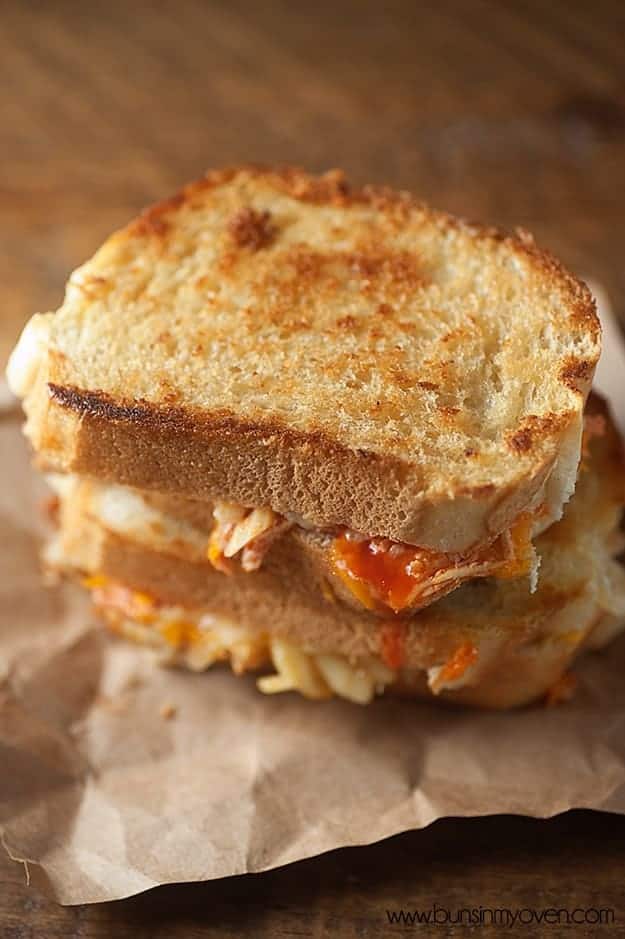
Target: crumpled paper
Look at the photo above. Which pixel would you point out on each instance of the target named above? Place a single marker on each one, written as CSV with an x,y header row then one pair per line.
x,y
116,776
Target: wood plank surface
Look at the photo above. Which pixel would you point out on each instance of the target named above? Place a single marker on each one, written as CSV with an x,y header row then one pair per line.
x,y
510,112
573,862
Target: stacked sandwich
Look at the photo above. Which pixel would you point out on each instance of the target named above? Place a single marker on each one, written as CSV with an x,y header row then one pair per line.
x,y
332,436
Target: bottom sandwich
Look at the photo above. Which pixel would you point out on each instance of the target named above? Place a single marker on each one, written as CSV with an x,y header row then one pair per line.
x,y
490,643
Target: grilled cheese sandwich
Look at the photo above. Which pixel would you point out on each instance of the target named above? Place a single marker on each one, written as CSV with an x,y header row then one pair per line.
x,y
489,642
331,431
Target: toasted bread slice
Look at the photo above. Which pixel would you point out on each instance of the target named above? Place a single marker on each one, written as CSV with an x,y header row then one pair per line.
x,y
352,356
490,643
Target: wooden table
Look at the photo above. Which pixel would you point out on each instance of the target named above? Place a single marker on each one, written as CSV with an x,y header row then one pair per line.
x,y
506,111
573,861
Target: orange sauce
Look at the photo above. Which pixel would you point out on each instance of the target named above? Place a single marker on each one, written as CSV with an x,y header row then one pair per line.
x,y
382,572
379,570
455,667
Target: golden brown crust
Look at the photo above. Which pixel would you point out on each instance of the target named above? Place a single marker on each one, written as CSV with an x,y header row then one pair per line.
x,y
99,405
333,189
532,429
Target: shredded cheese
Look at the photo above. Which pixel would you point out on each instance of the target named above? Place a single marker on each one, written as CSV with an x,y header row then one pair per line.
x,y
199,641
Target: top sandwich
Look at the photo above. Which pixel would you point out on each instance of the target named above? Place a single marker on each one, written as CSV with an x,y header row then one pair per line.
x,y
348,358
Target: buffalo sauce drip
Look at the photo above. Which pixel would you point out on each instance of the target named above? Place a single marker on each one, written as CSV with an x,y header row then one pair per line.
x,y
380,571
464,656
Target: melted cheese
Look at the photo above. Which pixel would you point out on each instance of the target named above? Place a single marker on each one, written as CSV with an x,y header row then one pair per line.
x,y
198,640
109,594
27,355
522,552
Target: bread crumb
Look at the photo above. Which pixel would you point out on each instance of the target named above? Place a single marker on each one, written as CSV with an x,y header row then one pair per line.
x,y
168,711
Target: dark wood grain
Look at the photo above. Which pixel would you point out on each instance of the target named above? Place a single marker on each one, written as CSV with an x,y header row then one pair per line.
x,y
511,112
574,861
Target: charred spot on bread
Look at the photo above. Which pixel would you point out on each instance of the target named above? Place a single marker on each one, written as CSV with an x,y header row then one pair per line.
x,y
532,430
576,371
249,228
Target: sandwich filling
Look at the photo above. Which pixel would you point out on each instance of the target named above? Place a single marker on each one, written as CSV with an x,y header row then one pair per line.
x,y
198,639
381,574
374,574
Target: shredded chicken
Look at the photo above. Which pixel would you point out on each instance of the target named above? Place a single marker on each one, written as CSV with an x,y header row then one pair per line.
x,y
246,532
387,574
378,571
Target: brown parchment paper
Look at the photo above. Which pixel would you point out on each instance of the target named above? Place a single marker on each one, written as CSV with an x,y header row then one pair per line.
x,y
102,797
